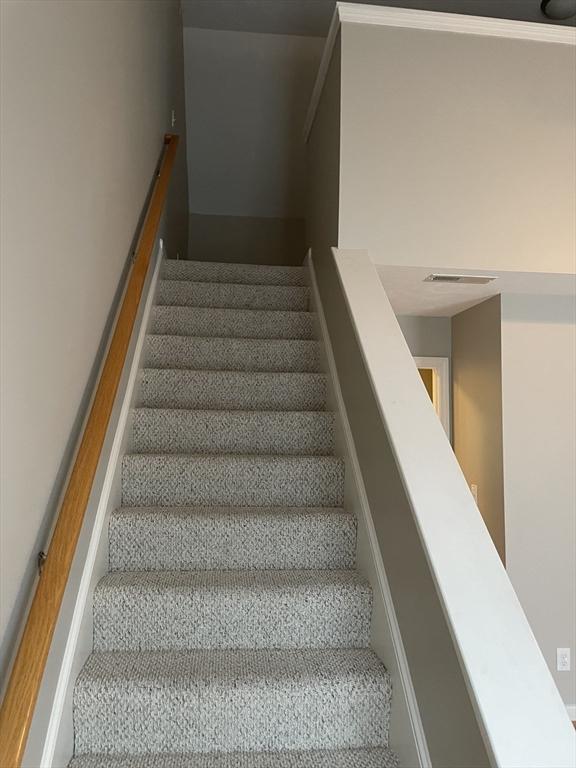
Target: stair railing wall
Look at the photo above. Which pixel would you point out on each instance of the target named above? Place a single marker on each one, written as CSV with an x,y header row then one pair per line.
x,y
484,692
26,677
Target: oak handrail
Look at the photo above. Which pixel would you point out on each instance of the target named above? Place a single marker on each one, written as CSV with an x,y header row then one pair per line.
x,y
26,676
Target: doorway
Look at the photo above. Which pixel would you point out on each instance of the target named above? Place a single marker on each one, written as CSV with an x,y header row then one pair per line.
x,y
435,374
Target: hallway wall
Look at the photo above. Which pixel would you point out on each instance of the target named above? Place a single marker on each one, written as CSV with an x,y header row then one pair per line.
x,y
246,100
87,93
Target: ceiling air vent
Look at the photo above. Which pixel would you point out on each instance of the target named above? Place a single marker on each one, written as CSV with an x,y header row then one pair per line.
x,y
470,279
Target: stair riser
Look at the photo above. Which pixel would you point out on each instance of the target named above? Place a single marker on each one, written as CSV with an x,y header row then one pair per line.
x,y
117,715
182,293
239,481
255,274
173,431
232,390
239,540
231,354
248,324
139,618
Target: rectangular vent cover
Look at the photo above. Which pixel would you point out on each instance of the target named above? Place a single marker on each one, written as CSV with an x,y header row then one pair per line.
x,y
470,279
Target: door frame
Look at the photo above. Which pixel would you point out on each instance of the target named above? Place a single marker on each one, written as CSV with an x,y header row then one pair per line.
x,y
440,367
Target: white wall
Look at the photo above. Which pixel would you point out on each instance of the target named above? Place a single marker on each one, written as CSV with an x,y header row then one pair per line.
x,y
246,100
458,150
427,336
539,429
87,90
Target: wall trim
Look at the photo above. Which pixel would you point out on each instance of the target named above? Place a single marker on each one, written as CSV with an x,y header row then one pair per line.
x,y
408,693
111,462
571,709
409,18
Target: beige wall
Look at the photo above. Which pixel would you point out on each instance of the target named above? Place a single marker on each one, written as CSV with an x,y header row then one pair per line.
x,y
477,409
87,91
458,150
539,412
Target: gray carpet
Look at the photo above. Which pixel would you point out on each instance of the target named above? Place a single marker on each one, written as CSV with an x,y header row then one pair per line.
x,y
232,628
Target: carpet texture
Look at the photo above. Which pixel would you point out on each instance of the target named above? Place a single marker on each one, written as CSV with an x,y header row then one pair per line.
x,y
232,629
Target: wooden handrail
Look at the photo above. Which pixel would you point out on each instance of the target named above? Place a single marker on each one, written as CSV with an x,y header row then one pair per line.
x,y
26,676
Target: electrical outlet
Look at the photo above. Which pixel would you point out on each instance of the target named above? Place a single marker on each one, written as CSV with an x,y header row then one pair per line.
x,y
563,659
173,118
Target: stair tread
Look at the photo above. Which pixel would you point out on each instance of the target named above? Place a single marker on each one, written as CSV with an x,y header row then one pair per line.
x,y
187,510
201,537
280,580
232,609
232,431
243,390
250,274
374,757
232,295
230,667
225,353
232,322
241,699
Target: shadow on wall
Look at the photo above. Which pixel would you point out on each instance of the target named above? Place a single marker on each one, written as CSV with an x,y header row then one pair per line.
x,y
246,98
246,239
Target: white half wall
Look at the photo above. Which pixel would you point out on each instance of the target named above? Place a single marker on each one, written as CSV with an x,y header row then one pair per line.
x,y
246,100
539,433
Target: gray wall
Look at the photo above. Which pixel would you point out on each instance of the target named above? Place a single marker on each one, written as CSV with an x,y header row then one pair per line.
x,y
458,150
87,91
427,336
539,423
477,409
246,99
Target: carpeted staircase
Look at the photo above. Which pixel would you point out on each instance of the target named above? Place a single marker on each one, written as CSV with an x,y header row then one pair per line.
x,y
232,630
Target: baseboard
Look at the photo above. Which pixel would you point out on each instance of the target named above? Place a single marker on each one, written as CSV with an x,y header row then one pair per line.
x,y
50,743
571,709
407,735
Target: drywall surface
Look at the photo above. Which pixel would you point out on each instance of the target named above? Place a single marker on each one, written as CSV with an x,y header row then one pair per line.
x,y
323,160
427,336
246,239
246,100
539,419
458,150
477,409
87,92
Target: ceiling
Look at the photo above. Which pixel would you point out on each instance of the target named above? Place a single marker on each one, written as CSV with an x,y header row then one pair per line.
x,y
410,295
312,17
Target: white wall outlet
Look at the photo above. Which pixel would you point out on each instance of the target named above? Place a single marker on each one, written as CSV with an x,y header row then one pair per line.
x,y
173,118
474,489
563,659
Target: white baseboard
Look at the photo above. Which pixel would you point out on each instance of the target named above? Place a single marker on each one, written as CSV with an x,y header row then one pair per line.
x,y
50,743
571,709
407,735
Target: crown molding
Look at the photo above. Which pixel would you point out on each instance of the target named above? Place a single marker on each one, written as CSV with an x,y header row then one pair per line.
x,y
408,18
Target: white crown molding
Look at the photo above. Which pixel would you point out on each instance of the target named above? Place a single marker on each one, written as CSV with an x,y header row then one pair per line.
x,y
408,18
